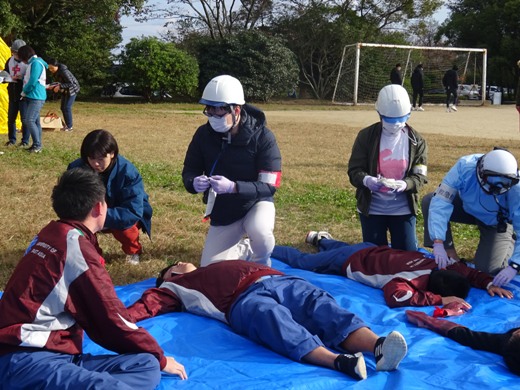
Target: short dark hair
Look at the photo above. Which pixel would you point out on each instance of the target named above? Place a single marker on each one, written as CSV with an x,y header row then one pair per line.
x,y
25,53
398,64
76,193
447,283
53,62
511,353
98,143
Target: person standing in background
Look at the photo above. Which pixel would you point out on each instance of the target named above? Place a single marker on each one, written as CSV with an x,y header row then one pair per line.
x,y
418,87
33,94
67,84
388,167
450,81
16,69
395,75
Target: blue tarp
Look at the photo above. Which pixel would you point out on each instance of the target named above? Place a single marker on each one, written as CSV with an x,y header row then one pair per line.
x,y
217,358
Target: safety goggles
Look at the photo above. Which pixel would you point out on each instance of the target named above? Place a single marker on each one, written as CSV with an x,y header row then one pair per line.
x,y
216,112
400,119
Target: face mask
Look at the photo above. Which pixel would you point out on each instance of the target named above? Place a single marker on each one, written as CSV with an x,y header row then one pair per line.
x,y
220,125
393,128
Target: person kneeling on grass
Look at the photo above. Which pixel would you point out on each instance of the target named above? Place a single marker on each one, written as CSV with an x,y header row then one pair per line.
x,y
285,313
505,344
407,278
59,289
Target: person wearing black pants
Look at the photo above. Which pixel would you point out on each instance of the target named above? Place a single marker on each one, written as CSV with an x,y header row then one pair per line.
x,y
505,344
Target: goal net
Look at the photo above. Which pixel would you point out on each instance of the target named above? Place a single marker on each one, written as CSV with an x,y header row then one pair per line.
x,y
365,68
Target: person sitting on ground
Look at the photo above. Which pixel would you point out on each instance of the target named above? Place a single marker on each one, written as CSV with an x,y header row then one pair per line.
x,y
505,344
407,278
285,313
128,206
61,288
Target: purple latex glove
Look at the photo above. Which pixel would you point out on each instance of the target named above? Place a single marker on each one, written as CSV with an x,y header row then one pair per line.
x,y
372,183
201,183
221,184
441,257
504,276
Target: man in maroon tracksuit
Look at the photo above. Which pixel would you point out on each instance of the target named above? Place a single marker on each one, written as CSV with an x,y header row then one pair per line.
x,y
59,289
407,278
285,313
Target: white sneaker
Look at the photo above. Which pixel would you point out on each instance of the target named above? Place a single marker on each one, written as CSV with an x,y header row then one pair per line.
x,y
132,259
313,237
414,109
448,109
420,109
453,107
390,351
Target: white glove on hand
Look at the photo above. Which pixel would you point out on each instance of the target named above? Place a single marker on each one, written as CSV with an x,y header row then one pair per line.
x,y
201,183
372,183
221,184
441,257
400,186
504,276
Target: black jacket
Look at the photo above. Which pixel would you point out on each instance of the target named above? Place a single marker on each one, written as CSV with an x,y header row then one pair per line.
x,y
417,79
251,150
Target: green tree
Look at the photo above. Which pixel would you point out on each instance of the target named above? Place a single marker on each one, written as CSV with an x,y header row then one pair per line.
x,y
263,64
152,65
491,24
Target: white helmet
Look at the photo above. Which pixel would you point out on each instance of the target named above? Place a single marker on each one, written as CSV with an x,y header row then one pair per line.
x,y
393,102
497,171
222,91
17,44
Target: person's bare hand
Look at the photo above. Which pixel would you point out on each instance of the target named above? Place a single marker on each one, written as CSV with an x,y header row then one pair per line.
x,y
501,292
446,300
175,368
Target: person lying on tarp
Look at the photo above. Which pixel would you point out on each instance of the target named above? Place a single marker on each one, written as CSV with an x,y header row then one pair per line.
x,y
505,344
285,313
407,278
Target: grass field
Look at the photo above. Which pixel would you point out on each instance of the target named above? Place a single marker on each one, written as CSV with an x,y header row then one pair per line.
x,y
315,141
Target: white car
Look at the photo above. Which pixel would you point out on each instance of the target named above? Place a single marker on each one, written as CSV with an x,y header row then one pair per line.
x,y
471,91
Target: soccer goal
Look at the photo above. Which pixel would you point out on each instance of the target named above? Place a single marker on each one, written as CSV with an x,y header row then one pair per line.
x,y
365,69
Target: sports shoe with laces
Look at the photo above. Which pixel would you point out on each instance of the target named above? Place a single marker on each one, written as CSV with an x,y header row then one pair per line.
x,y
352,365
23,145
314,237
132,259
453,107
34,149
420,109
9,143
448,109
389,351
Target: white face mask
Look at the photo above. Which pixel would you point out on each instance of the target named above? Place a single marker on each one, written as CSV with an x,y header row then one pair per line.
x,y
393,128
220,125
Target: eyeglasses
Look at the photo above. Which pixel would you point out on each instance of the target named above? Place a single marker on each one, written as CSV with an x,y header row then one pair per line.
x,y
211,111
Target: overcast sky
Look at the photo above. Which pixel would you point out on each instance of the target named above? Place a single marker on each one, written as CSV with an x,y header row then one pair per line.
x,y
133,29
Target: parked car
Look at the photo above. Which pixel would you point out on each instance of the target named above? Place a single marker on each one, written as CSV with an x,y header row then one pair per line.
x,y
121,90
471,91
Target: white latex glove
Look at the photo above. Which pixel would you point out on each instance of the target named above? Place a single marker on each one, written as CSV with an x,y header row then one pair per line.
x,y
201,183
372,183
400,186
221,184
441,257
504,276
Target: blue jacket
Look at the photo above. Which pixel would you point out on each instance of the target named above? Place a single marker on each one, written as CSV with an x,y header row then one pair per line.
x,y
251,150
35,78
462,179
125,196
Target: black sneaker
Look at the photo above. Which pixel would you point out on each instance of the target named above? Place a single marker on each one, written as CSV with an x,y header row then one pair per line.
x,y
389,351
34,149
9,143
23,145
352,365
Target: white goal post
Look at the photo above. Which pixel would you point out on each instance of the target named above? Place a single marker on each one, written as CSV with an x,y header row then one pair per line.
x,y
365,68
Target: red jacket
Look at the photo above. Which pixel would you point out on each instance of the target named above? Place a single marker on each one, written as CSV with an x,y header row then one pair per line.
x,y
60,288
208,291
403,275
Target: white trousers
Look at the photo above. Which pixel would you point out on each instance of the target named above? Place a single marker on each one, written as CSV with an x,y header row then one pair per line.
x,y
250,238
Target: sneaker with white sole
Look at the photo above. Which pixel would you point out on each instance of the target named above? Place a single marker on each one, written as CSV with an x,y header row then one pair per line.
x,y
313,237
448,109
389,351
132,259
420,109
352,365
453,107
